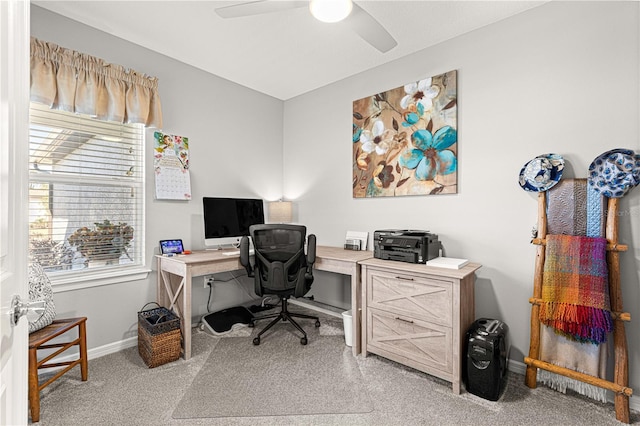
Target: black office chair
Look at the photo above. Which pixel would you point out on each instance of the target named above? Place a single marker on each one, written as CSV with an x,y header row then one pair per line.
x,y
281,268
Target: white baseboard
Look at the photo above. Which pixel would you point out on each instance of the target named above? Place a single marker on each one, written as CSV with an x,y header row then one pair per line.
x,y
517,367
521,368
96,352
317,306
112,347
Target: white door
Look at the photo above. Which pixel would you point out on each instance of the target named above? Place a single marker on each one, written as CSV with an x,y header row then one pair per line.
x,y
14,127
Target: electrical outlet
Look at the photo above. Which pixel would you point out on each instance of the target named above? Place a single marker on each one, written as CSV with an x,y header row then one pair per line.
x,y
208,281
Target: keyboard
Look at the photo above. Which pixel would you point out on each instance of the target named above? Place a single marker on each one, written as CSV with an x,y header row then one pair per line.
x,y
236,253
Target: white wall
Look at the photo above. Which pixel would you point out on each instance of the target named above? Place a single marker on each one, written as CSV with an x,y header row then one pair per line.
x,y
235,137
561,78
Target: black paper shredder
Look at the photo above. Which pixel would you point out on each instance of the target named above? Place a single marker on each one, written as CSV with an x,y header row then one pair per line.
x,y
487,354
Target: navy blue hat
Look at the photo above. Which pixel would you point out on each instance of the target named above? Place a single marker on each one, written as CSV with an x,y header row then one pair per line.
x,y
615,172
541,173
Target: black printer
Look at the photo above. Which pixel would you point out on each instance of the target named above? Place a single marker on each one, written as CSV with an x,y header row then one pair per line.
x,y
405,245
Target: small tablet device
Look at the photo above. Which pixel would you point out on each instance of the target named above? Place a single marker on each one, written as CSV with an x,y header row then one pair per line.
x,y
171,247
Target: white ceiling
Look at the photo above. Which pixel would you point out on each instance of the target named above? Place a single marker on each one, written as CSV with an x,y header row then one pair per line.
x,y
287,53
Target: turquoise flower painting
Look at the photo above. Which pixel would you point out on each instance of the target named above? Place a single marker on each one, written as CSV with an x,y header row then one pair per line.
x,y
405,140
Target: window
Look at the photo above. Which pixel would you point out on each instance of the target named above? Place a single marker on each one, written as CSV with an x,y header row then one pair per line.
x,y
86,194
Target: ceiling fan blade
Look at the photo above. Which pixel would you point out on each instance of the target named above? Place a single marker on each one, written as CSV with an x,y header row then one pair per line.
x,y
257,8
370,29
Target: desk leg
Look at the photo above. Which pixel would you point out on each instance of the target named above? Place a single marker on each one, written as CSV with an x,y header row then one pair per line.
x,y
356,308
161,289
186,316
174,292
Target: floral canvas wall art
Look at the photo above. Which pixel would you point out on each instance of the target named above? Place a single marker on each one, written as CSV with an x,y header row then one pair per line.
x,y
405,140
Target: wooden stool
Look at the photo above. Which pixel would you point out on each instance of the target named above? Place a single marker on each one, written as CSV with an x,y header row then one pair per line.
x,y
38,340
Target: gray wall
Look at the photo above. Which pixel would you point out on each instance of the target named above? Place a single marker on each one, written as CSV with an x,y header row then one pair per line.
x,y
562,78
234,152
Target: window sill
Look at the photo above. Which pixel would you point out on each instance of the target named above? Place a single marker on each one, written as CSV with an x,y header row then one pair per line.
x,y
97,279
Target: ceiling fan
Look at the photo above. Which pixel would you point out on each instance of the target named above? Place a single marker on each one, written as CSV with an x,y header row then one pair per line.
x,y
365,25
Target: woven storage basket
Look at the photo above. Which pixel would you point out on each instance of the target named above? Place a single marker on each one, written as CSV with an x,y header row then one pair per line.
x,y
158,336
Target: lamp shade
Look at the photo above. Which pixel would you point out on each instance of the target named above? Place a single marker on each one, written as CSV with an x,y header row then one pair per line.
x,y
330,10
280,211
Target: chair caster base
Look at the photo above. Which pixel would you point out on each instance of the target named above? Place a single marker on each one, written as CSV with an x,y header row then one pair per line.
x,y
256,341
303,341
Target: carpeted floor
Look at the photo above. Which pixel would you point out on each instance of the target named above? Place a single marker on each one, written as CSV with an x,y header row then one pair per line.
x,y
269,376
122,391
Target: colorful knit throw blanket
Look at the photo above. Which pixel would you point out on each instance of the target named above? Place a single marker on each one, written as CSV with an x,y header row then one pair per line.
x,y
575,288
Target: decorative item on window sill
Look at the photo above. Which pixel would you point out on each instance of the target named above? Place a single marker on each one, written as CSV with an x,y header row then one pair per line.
x,y
280,211
51,255
105,243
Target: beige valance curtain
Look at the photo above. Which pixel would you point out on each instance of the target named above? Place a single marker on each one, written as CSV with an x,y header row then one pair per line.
x,y
75,82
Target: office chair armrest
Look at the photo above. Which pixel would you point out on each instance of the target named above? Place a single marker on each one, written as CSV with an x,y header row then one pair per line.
x,y
244,256
311,250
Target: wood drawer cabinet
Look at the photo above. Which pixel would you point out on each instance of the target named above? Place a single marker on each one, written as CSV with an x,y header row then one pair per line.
x,y
421,344
422,297
418,315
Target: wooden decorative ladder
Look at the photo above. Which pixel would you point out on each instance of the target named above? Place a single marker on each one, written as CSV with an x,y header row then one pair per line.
x,y
620,382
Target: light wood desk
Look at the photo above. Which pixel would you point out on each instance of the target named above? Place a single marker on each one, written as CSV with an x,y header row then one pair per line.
x,y
175,274
346,262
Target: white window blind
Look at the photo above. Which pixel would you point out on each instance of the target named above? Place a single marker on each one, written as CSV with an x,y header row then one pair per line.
x,y
86,193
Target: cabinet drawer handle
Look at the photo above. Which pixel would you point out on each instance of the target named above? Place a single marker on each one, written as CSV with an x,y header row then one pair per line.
x,y
404,278
402,319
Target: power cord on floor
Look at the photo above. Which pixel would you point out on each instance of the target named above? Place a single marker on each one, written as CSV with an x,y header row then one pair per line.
x,y
264,306
232,278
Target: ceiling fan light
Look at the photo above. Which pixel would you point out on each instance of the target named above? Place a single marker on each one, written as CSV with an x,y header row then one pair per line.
x,y
330,10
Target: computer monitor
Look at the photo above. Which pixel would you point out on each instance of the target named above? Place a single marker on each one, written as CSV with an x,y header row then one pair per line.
x,y
227,220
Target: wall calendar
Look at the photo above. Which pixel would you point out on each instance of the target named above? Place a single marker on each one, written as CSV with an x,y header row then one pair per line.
x,y
171,165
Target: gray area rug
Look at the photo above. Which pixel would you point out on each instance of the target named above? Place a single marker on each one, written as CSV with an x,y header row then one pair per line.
x,y
278,377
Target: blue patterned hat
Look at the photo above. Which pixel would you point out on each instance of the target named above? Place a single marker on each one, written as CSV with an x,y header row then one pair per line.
x,y
541,173
615,172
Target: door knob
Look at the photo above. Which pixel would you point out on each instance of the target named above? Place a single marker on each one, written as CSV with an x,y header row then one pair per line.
x,y
33,310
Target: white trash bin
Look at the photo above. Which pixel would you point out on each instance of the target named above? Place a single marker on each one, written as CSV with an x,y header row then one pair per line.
x,y
348,327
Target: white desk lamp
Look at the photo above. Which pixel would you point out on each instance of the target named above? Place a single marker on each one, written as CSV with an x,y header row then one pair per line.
x,y
280,211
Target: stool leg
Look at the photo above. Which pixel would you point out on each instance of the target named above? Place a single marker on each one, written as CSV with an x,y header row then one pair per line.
x,y
84,366
34,390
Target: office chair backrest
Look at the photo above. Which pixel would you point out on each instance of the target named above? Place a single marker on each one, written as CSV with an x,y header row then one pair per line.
x,y
281,266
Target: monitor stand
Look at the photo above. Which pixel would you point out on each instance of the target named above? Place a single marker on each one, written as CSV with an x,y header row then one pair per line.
x,y
229,246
